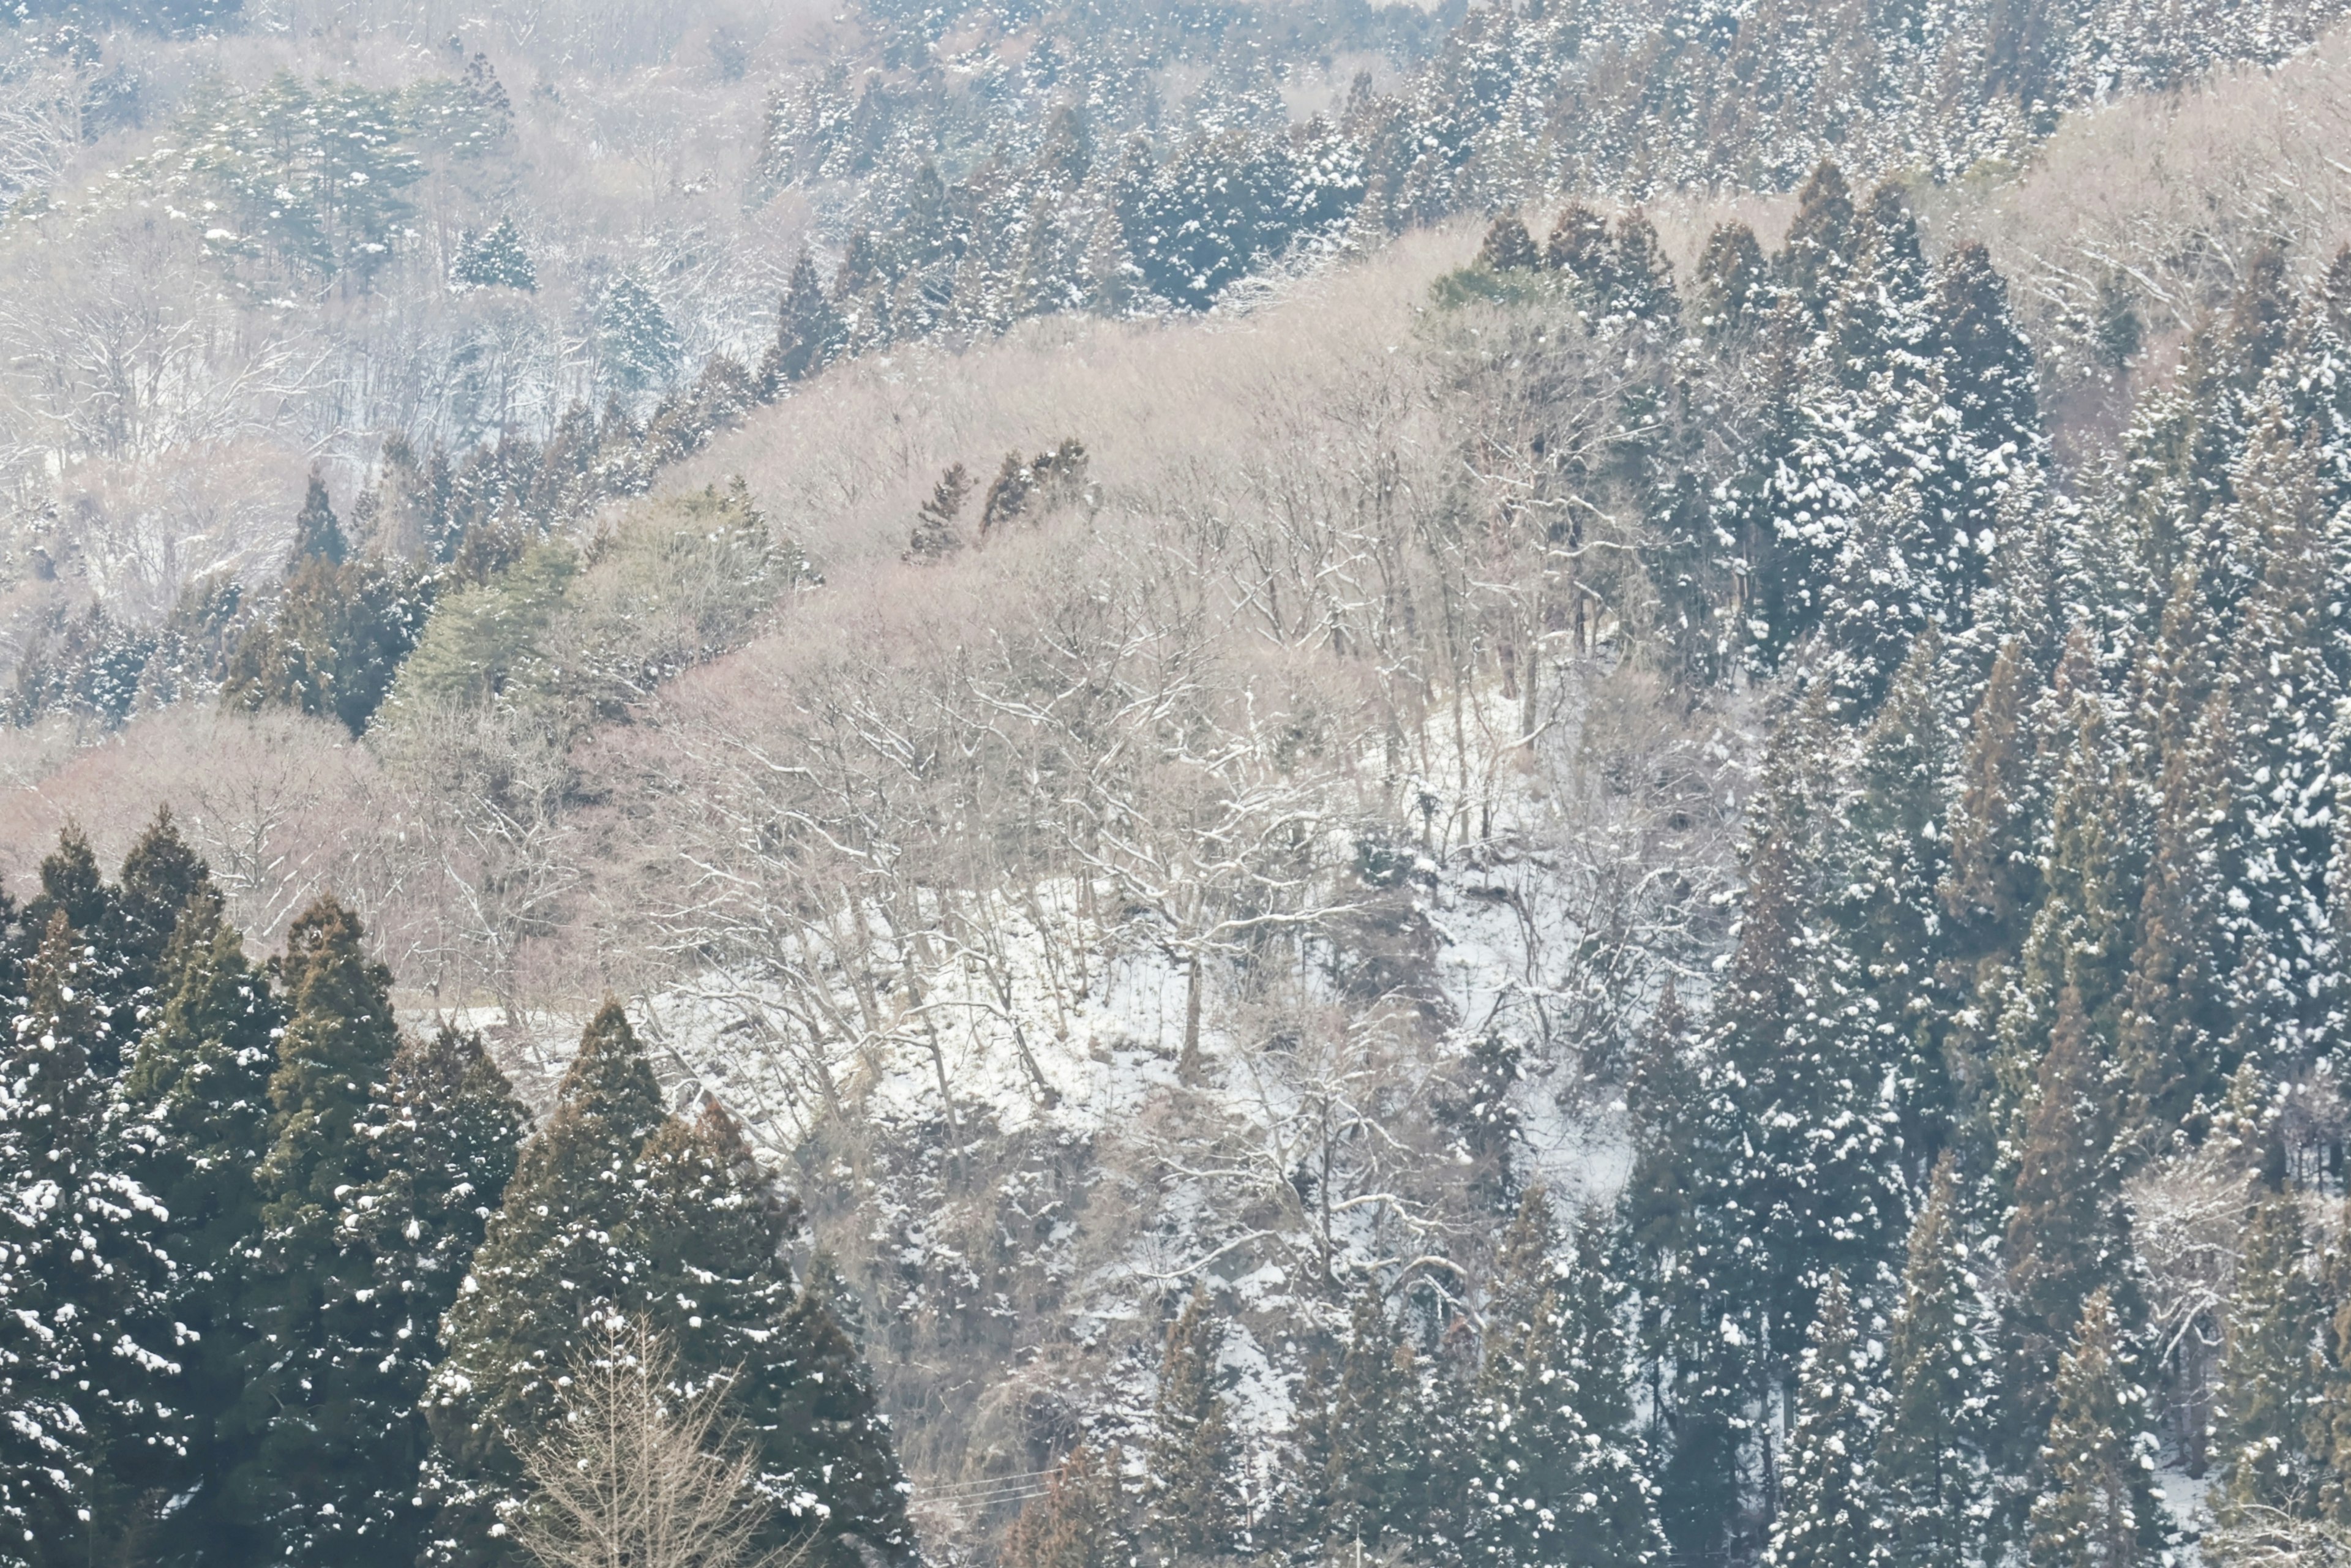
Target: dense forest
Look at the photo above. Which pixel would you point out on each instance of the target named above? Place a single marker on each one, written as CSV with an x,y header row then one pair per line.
x,y
1517,786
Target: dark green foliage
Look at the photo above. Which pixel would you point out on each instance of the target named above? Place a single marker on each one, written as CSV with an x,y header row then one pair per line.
x,y
87,1354
1509,248
337,634
2100,1508
1933,1475
709,1228
331,1455
1191,1508
935,536
2271,1429
496,259
1828,1511
633,334
1559,1478
196,1126
1813,259
2068,1236
808,332
548,1263
1730,288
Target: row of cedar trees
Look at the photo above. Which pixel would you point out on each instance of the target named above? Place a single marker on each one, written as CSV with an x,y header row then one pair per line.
x,y
352,602
278,1285
2046,932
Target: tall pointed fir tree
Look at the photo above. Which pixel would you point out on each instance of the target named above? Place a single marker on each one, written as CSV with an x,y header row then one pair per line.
x,y
159,874
549,1263
194,1120
1369,1468
710,1229
88,1353
1189,1504
2068,1233
1557,1480
2270,1438
1933,1461
331,1470
1828,1510
2098,1508
808,332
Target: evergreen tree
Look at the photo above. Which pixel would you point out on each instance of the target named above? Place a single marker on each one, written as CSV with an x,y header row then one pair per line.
x,y
160,876
1813,260
317,534
2173,1018
935,536
1369,1467
2100,1508
1828,1510
1730,291
1190,1504
2068,1235
808,332
1933,1462
710,1229
1994,878
72,885
337,634
194,1120
1558,1481
87,1350
551,1260
639,346
2271,1431
496,259
1509,248
331,1468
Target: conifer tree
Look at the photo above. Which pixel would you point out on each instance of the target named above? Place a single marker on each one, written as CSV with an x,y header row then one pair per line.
x,y
1509,248
1643,276
318,534
1190,1503
1578,246
1813,261
2068,1235
2271,1433
709,1228
1730,289
634,333
160,876
87,1350
1557,1480
1828,1510
549,1262
1933,1461
2100,1508
808,332
1987,365
332,1463
1891,930
1369,1469
2173,1020
1995,875
72,885
936,536
194,1120
496,259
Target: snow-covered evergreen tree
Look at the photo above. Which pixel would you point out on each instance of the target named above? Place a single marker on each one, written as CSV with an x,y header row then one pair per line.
x,y
1828,1514
2100,1509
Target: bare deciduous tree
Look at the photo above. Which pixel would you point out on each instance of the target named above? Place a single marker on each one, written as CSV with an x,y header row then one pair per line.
x,y
642,1475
